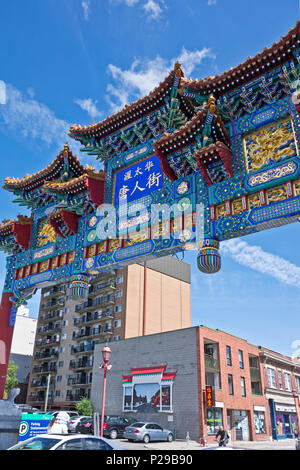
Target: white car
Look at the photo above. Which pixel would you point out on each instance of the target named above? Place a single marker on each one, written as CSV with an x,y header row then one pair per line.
x,y
66,442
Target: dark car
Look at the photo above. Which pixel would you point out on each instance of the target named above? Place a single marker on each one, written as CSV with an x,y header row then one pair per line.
x,y
85,426
113,426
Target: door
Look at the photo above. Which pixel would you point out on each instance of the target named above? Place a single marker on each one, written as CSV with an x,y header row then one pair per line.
x,y
159,433
229,424
241,425
286,423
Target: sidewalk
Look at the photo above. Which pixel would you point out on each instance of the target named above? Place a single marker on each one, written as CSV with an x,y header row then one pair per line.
x,y
181,444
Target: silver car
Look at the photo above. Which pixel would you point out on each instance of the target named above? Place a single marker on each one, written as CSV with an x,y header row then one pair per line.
x,y
147,432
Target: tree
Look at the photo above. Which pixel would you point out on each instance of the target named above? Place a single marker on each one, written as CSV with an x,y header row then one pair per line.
x,y
11,377
84,407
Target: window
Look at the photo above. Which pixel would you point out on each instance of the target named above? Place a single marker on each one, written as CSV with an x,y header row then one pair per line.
x,y
96,444
117,323
230,384
116,338
243,386
143,396
228,355
119,294
118,308
241,359
297,380
280,380
259,422
214,419
73,444
119,280
61,364
57,393
287,381
271,377
58,378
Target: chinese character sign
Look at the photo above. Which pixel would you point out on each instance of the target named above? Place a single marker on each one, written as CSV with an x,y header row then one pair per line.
x,y
138,180
209,396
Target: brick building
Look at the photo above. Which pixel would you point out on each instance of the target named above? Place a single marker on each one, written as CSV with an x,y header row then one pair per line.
x,y
281,376
163,378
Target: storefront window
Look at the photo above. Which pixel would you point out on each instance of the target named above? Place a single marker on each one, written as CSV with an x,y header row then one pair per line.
x,y
127,398
259,422
147,398
214,420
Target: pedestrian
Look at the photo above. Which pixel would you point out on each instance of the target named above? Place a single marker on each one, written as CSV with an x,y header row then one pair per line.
x,y
59,423
223,435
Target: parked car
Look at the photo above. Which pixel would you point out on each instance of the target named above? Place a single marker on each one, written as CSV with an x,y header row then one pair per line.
x,y
24,408
72,414
65,442
113,426
74,421
85,426
147,432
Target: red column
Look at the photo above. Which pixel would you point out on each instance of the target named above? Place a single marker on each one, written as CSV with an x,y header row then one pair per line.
x,y
6,333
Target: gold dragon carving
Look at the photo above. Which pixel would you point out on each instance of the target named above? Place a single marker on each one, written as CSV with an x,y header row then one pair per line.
x,y
265,145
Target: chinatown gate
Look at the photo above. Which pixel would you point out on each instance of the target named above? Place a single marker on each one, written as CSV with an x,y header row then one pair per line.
x,y
217,158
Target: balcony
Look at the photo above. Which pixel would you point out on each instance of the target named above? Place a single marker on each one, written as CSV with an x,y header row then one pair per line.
x,y
41,343
52,304
83,381
46,355
80,364
104,287
82,348
44,369
91,332
91,304
39,399
211,363
49,329
91,318
51,316
43,383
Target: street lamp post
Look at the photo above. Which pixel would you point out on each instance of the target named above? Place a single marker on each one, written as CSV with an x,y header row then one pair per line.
x,y
106,352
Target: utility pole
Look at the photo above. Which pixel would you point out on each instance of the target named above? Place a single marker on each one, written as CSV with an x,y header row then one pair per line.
x,y
47,392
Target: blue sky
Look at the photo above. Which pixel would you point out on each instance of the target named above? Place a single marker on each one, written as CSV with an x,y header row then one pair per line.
x,y
77,61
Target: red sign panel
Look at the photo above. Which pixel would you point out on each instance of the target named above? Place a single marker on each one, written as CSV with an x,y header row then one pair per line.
x,y
209,395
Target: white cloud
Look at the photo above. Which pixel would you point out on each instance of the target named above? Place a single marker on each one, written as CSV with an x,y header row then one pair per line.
x,y
90,106
144,75
2,92
153,9
86,8
131,3
33,120
211,2
256,258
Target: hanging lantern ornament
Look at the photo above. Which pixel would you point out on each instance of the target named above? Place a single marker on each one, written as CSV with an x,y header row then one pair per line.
x,y
296,100
79,287
209,259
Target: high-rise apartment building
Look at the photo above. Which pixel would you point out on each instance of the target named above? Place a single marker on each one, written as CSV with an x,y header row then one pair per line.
x,y
136,300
